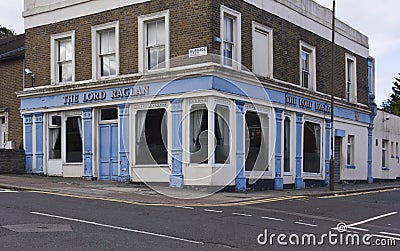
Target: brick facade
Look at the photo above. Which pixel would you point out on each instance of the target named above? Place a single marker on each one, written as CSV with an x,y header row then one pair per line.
x,y
195,24
11,81
12,161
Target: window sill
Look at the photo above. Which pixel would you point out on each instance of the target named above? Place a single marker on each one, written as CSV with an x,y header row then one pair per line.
x,y
73,163
151,166
350,167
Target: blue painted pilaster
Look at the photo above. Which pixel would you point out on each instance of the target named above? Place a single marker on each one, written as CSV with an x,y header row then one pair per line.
x,y
278,150
176,177
327,150
87,143
240,180
28,143
124,143
39,143
299,183
370,178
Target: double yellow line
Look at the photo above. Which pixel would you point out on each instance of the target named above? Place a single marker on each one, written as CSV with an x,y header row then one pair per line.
x,y
358,193
227,204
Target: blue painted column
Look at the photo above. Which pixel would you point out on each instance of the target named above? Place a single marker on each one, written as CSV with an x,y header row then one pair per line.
x,y
240,180
176,177
39,143
299,183
327,150
28,143
124,143
278,150
370,179
87,143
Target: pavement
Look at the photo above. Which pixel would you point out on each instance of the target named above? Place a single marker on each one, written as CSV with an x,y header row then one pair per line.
x,y
162,195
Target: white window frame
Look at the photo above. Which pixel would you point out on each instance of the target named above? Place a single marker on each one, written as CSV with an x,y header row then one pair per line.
x,y
64,118
269,61
237,34
54,55
353,92
3,129
261,110
350,145
142,38
96,74
322,148
291,143
385,152
313,65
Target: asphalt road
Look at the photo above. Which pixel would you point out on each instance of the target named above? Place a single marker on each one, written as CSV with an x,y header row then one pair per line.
x,y
36,221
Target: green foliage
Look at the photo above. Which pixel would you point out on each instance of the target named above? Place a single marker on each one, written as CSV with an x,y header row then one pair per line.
x,y
392,105
4,32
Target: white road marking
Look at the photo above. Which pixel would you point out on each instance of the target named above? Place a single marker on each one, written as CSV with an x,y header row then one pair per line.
x,y
246,215
191,208
387,233
306,224
384,236
213,211
119,228
372,219
269,218
7,191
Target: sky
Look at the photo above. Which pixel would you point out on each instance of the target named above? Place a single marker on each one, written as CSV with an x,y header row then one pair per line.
x,y
378,19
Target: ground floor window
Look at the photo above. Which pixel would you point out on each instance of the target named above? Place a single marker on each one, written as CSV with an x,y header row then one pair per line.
x,y
199,135
286,145
350,150
222,133
55,137
312,148
73,139
2,132
385,144
151,137
256,142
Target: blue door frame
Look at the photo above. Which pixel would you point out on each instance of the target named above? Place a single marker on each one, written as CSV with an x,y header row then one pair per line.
x,y
108,152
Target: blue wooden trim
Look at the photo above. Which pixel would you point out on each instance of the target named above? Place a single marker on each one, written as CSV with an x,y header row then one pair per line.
x,y
340,133
39,143
176,178
124,143
278,150
350,167
299,183
87,143
327,150
240,180
28,142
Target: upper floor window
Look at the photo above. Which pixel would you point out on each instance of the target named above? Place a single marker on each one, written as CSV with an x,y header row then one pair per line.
x,y
307,66
351,80
262,50
154,41
63,58
105,50
230,33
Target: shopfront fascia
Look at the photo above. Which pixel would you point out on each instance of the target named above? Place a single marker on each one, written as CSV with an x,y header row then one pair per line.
x,y
65,133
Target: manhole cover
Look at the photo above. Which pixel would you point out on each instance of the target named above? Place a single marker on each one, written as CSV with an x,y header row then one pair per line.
x,y
38,228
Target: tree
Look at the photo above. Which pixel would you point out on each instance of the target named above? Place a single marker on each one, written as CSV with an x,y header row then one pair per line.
x,y
4,32
392,104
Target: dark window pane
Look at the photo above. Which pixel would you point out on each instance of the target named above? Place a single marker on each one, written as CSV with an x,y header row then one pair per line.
x,y
109,114
311,148
56,120
74,140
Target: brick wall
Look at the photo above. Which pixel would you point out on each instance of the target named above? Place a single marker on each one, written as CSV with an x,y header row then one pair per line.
x,y
287,49
12,161
11,81
190,27
194,24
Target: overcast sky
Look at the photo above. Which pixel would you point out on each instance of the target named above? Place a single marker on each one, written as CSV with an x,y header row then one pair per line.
x,y
378,19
